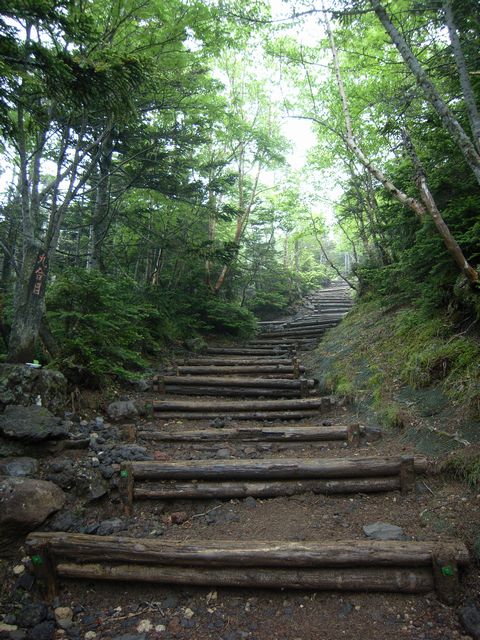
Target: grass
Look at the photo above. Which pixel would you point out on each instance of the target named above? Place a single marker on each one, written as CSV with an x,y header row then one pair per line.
x,y
375,351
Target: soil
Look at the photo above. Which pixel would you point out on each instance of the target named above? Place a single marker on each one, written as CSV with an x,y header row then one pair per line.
x,y
438,509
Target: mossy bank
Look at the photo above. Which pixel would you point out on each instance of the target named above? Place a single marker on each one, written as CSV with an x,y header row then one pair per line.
x,y
405,370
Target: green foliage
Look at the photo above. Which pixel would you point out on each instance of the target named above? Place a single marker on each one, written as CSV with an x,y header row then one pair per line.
x,y
100,326
464,465
224,317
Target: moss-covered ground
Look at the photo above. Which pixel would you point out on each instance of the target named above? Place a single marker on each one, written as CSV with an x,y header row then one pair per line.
x,y
405,370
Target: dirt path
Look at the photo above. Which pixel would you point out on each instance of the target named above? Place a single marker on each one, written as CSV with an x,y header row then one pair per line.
x,y
438,509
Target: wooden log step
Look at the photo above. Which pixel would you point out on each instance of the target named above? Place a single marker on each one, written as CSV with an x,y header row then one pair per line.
x,y
299,333
171,490
234,370
285,361
279,553
236,406
270,416
233,392
267,468
244,352
210,381
255,434
410,567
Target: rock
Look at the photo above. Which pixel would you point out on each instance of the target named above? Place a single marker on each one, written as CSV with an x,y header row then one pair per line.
x,y
64,617
131,636
32,614
174,625
345,610
22,385
223,454
90,635
144,625
160,627
170,602
42,631
25,582
250,502
31,424
25,504
384,531
65,521
470,619
18,635
109,527
7,627
220,421
90,485
142,385
178,517
121,410
188,613
18,467
18,569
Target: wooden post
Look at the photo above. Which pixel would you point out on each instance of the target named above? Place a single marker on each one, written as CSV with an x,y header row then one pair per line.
x,y
129,433
155,383
125,487
45,571
407,474
303,388
353,434
445,576
161,385
296,367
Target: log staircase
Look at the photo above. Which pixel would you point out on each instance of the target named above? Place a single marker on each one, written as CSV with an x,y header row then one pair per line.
x,y
250,388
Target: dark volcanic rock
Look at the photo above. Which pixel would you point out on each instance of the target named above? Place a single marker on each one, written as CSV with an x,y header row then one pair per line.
x,y
32,614
470,619
43,631
122,409
31,424
18,467
25,504
20,384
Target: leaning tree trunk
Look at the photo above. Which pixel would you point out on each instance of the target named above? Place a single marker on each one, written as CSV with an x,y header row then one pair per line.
x,y
431,93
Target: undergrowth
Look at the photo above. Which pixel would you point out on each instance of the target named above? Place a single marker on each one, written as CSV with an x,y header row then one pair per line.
x,y
376,351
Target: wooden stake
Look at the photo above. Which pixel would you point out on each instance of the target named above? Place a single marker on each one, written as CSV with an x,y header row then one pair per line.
x,y
407,474
353,434
445,576
45,571
125,487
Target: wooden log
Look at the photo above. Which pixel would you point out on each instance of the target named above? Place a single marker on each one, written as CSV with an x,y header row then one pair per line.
x,y
300,333
231,392
239,362
252,434
264,406
266,468
367,579
286,373
271,553
220,381
245,352
279,416
168,490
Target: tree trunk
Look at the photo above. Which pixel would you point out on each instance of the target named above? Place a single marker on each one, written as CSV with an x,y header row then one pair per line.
x,y
468,94
449,121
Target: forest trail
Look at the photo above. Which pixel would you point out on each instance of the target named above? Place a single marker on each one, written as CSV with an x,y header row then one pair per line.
x,y
260,484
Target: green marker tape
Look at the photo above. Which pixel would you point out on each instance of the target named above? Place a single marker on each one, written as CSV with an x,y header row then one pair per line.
x,y
447,571
124,473
37,560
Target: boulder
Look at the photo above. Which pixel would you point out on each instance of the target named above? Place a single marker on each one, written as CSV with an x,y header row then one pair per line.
x,y
25,504
31,424
122,410
18,467
23,385
384,531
